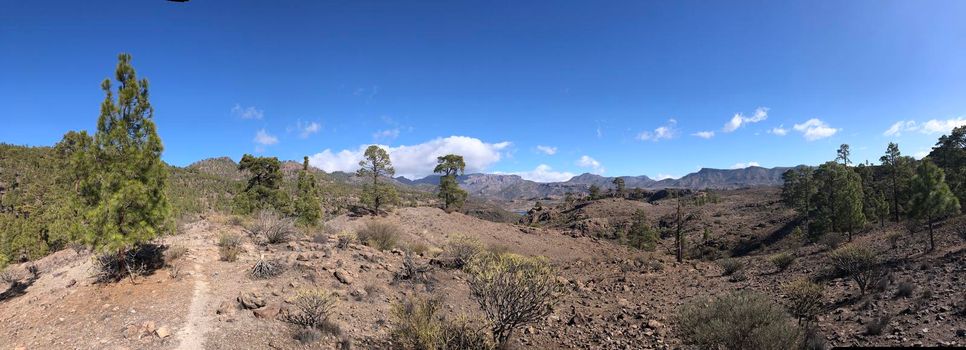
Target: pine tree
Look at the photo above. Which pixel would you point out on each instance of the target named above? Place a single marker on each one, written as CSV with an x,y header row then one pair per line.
x,y
619,185
843,154
376,165
900,172
263,189
797,191
849,213
640,235
127,176
450,192
594,192
931,197
950,155
307,206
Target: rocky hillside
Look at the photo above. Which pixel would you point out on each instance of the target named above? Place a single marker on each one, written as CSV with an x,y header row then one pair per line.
x,y
513,187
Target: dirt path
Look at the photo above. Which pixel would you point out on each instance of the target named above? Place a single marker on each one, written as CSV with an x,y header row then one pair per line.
x,y
192,334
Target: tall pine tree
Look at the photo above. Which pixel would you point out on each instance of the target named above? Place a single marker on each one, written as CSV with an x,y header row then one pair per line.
x,y
931,197
376,164
449,166
127,176
307,206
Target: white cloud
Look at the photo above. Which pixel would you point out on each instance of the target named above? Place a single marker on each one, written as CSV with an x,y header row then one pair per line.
x,y
744,165
780,130
921,154
548,150
814,129
307,129
417,161
543,173
247,112
704,134
664,132
593,164
263,138
932,126
388,134
660,177
761,113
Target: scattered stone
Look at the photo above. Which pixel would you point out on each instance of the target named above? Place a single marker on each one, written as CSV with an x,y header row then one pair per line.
x,y
268,312
163,332
251,300
343,276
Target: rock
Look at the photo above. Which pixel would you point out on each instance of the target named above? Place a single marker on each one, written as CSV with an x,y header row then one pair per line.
x,y
71,283
226,308
149,327
961,333
343,276
655,325
268,312
359,293
251,300
163,332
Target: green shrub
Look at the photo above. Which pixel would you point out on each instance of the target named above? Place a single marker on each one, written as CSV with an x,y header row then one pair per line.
x,y
831,240
805,299
418,324
743,320
512,290
730,266
379,235
782,261
905,289
229,246
857,263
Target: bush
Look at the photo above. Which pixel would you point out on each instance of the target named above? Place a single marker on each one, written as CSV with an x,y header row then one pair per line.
x,y
460,250
831,240
414,272
730,266
877,325
857,263
272,227
267,268
894,239
512,290
174,253
905,289
418,248
135,262
417,324
805,299
229,246
782,261
742,320
344,239
379,235
311,309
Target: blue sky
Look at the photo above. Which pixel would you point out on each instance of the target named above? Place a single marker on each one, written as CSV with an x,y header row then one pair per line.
x,y
543,89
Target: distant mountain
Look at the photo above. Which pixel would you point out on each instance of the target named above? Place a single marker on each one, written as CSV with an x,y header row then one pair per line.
x,y
513,187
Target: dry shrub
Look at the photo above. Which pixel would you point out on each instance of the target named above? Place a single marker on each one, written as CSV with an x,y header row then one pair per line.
x,y
138,261
743,320
229,246
272,228
418,248
805,299
877,325
173,253
782,261
460,250
414,272
512,290
418,324
831,240
894,239
730,266
267,268
380,235
857,263
311,309
344,239
905,289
